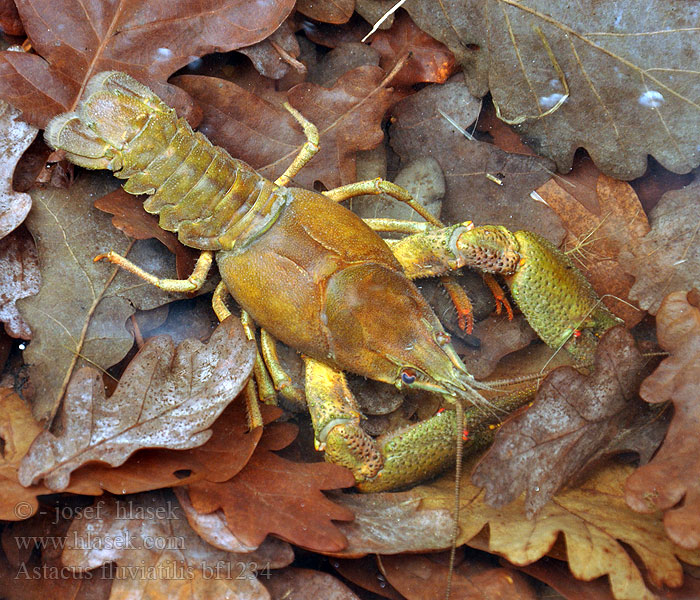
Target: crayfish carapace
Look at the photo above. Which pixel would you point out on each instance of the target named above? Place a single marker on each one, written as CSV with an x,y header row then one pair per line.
x,y
314,275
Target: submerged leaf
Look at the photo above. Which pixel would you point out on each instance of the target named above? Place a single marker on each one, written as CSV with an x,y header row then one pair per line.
x,y
167,398
617,78
671,482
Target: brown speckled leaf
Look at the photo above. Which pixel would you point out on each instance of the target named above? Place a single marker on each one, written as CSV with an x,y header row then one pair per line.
x,y
167,398
629,69
667,259
418,129
573,421
15,138
19,278
148,39
671,482
79,315
307,583
328,11
278,496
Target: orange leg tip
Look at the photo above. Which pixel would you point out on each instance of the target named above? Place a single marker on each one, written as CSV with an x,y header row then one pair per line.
x,y
100,257
465,435
465,320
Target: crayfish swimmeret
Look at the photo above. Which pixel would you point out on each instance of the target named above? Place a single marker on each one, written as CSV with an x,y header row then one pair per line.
x,y
314,275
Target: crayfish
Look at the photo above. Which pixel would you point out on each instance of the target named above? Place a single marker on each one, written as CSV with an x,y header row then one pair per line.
x,y
313,275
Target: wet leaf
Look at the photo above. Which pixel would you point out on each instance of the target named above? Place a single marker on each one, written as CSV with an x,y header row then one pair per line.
x,y
220,458
594,523
213,529
348,117
603,218
419,129
274,56
148,40
668,258
17,431
130,217
608,78
336,12
15,138
168,397
671,482
430,61
420,578
306,583
19,278
274,495
573,422
9,19
79,314
158,555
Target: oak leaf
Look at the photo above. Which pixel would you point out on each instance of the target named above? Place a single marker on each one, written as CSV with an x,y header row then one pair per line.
x,y
607,78
78,317
17,431
574,420
293,582
336,12
592,519
667,259
278,496
348,117
419,129
671,481
148,40
603,218
15,138
146,545
429,61
168,397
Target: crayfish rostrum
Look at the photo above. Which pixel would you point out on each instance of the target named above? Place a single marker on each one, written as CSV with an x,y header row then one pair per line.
x,y
307,271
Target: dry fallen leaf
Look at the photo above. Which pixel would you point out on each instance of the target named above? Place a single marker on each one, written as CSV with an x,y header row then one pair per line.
x,y
274,495
15,138
671,482
149,40
168,397
608,78
573,422
150,550
19,278
668,258
79,315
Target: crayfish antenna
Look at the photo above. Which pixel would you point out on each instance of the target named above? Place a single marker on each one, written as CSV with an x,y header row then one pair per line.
x,y
459,410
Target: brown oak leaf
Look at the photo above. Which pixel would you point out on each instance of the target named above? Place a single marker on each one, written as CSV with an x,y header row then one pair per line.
x,y
293,582
336,12
671,481
17,431
274,495
603,218
168,397
130,217
149,40
573,421
429,61
15,138
348,117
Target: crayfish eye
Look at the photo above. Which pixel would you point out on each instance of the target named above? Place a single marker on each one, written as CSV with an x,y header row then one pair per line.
x,y
408,376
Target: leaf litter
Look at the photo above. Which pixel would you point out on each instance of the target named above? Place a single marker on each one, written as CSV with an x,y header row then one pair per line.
x,y
349,107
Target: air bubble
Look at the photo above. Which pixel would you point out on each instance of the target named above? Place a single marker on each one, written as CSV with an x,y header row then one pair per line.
x,y
548,102
651,98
